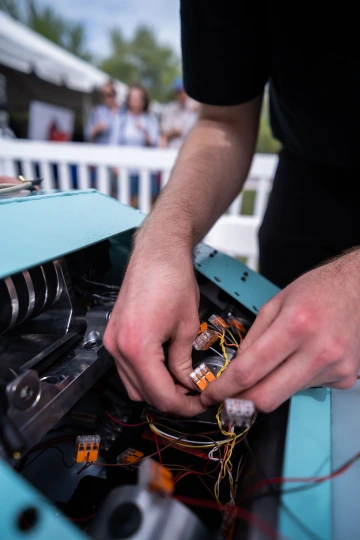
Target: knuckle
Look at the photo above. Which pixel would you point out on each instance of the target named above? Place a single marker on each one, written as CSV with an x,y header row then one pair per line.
x,y
266,310
302,320
243,374
337,348
346,372
331,353
129,348
347,382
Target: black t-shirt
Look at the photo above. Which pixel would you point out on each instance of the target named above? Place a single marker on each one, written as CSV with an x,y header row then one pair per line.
x,y
309,56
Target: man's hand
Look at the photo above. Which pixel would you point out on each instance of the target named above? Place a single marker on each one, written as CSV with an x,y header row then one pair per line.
x,y
158,300
158,303
307,335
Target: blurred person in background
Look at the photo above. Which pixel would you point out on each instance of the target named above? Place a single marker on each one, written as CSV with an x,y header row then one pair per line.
x,y
178,118
100,123
136,126
5,131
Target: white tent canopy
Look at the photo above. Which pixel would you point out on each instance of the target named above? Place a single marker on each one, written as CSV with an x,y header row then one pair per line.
x,y
24,50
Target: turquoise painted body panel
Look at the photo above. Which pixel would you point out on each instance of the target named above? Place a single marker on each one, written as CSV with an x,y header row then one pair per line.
x,y
234,277
16,495
308,454
41,228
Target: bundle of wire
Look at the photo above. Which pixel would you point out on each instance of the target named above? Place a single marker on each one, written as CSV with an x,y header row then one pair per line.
x,y
221,449
97,293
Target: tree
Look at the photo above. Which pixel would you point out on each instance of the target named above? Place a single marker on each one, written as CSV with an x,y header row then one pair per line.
x,y
12,8
142,59
47,22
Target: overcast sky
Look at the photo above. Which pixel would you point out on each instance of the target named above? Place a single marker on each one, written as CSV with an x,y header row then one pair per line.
x,y
99,16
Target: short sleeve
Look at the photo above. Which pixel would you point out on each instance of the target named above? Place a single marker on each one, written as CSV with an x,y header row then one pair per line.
x,y
226,50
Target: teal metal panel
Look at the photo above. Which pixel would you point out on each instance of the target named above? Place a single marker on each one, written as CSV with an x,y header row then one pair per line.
x,y
44,227
345,437
308,454
234,277
16,495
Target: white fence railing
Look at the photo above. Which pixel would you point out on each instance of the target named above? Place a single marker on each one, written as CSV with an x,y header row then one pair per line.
x,y
111,170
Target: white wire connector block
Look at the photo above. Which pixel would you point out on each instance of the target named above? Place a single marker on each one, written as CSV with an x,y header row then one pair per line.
x,y
237,412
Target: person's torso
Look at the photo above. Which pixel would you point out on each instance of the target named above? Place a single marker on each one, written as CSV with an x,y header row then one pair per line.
x,y
106,116
132,129
314,81
180,118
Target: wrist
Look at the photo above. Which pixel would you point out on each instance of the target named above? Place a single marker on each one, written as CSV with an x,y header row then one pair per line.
x,y
163,240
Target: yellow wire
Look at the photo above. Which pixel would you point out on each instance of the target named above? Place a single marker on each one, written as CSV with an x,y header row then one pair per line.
x,y
232,337
222,345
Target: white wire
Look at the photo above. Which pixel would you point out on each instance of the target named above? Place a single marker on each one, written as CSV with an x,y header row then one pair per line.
x,y
13,188
211,454
187,440
232,501
238,469
217,352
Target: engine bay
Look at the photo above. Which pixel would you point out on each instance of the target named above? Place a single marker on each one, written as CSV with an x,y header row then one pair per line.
x,y
69,428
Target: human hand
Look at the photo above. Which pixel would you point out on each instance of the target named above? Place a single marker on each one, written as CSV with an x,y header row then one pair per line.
x,y
9,180
140,127
163,141
307,335
100,127
158,302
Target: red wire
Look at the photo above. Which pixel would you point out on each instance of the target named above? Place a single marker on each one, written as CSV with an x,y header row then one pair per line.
x,y
175,479
78,520
123,423
237,510
314,479
158,448
178,478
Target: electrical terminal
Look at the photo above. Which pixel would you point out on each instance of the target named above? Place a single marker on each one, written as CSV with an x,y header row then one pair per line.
x,y
237,325
203,327
87,448
202,376
128,458
218,322
155,477
237,412
205,372
205,340
199,382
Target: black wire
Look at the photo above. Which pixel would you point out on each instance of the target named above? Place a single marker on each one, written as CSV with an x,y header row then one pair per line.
x,y
44,450
279,493
101,285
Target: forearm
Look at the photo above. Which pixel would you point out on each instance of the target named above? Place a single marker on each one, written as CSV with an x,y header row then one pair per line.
x,y
210,171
